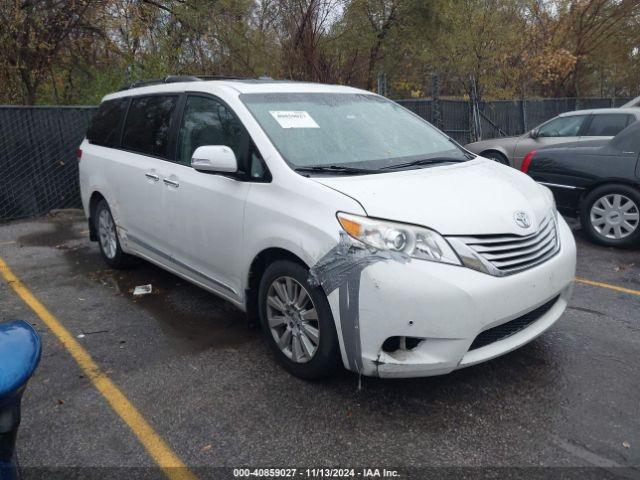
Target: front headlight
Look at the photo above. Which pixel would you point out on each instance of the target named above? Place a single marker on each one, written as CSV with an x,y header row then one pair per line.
x,y
417,242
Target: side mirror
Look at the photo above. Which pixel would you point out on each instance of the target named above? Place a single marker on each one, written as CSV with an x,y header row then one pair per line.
x,y
214,158
534,133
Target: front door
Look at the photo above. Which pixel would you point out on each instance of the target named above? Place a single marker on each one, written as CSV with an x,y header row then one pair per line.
x,y
205,211
555,131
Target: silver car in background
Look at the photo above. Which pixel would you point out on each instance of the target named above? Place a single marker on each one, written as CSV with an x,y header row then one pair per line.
x,y
581,125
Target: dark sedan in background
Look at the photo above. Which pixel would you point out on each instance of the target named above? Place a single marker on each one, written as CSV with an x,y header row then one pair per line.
x,y
597,181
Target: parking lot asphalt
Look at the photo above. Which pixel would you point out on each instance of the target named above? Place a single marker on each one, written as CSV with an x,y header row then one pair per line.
x,y
210,388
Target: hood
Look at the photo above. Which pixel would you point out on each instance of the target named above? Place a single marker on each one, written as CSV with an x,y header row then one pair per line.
x,y
477,197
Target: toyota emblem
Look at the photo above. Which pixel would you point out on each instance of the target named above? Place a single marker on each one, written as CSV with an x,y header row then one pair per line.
x,y
522,219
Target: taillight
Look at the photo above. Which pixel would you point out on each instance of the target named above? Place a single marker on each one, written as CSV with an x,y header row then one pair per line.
x,y
79,154
526,163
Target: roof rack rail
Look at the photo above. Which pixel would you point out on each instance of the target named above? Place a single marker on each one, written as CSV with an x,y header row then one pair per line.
x,y
182,78
160,81
223,77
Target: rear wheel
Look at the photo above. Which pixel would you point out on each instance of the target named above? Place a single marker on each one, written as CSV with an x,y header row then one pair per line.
x,y
108,241
297,321
610,215
496,156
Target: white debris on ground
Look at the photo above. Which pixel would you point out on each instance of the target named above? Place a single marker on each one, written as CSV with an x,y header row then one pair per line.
x,y
141,290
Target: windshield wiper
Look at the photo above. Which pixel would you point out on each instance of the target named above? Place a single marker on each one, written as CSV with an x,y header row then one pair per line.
x,y
423,161
333,169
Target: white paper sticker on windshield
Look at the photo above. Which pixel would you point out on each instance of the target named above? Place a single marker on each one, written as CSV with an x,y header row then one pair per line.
x,y
294,119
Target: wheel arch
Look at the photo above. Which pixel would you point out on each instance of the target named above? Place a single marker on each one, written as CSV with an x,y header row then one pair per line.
x,y
94,199
605,182
256,270
496,150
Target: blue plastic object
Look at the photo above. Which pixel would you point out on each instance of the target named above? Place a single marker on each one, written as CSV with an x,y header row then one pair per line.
x,y
19,356
20,350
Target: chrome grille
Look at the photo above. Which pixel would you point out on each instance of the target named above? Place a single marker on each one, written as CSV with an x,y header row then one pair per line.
x,y
508,254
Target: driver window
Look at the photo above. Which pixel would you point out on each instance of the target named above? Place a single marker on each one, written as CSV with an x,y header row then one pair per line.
x,y
562,127
209,122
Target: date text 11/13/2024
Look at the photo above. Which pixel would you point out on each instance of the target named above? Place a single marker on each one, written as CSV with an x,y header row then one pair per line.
x,y
316,472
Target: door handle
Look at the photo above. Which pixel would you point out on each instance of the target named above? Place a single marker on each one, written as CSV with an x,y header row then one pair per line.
x,y
152,176
171,183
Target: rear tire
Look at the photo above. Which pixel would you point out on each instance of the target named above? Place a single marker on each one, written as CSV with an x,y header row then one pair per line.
x,y
610,215
496,157
108,240
297,321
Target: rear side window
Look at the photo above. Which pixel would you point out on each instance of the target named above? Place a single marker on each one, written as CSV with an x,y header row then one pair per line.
x,y
629,140
105,125
149,124
608,125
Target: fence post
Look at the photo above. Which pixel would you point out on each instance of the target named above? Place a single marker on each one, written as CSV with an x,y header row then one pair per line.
x,y
436,112
523,112
476,126
382,84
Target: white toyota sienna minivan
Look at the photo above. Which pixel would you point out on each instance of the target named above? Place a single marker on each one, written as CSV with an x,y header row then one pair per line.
x,y
356,232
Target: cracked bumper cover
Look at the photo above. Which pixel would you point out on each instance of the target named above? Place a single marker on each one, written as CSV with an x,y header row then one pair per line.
x,y
448,306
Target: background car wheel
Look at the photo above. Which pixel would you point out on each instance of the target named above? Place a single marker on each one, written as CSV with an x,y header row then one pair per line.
x,y
297,321
496,156
610,215
108,240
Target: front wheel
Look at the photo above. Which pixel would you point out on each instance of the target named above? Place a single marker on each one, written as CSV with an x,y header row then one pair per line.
x,y
297,321
610,215
496,157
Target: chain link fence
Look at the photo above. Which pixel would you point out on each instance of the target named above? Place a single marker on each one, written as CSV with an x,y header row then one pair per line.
x,y
452,116
508,118
39,169
38,163
498,118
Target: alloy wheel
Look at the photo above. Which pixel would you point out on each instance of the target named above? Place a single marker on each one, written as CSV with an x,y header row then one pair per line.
x,y
107,233
293,319
614,216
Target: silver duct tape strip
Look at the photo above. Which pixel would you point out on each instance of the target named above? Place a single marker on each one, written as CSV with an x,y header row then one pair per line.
x,y
341,268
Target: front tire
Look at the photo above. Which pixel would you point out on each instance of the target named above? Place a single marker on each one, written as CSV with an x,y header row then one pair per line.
x,y
297,321
496,157
610,215
108,240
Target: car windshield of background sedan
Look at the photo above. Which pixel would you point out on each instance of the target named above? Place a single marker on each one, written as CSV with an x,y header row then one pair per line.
x,y
343,131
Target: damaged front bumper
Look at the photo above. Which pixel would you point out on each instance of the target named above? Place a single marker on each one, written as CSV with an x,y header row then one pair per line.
x,y
443,309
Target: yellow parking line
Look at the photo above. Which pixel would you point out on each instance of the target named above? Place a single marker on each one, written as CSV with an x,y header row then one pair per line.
x,y
608,286
168,461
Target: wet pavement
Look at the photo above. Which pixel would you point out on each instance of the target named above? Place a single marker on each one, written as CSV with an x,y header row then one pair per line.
x,y
209,386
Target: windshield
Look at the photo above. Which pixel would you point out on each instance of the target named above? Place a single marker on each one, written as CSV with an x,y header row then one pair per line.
x,y
348,130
